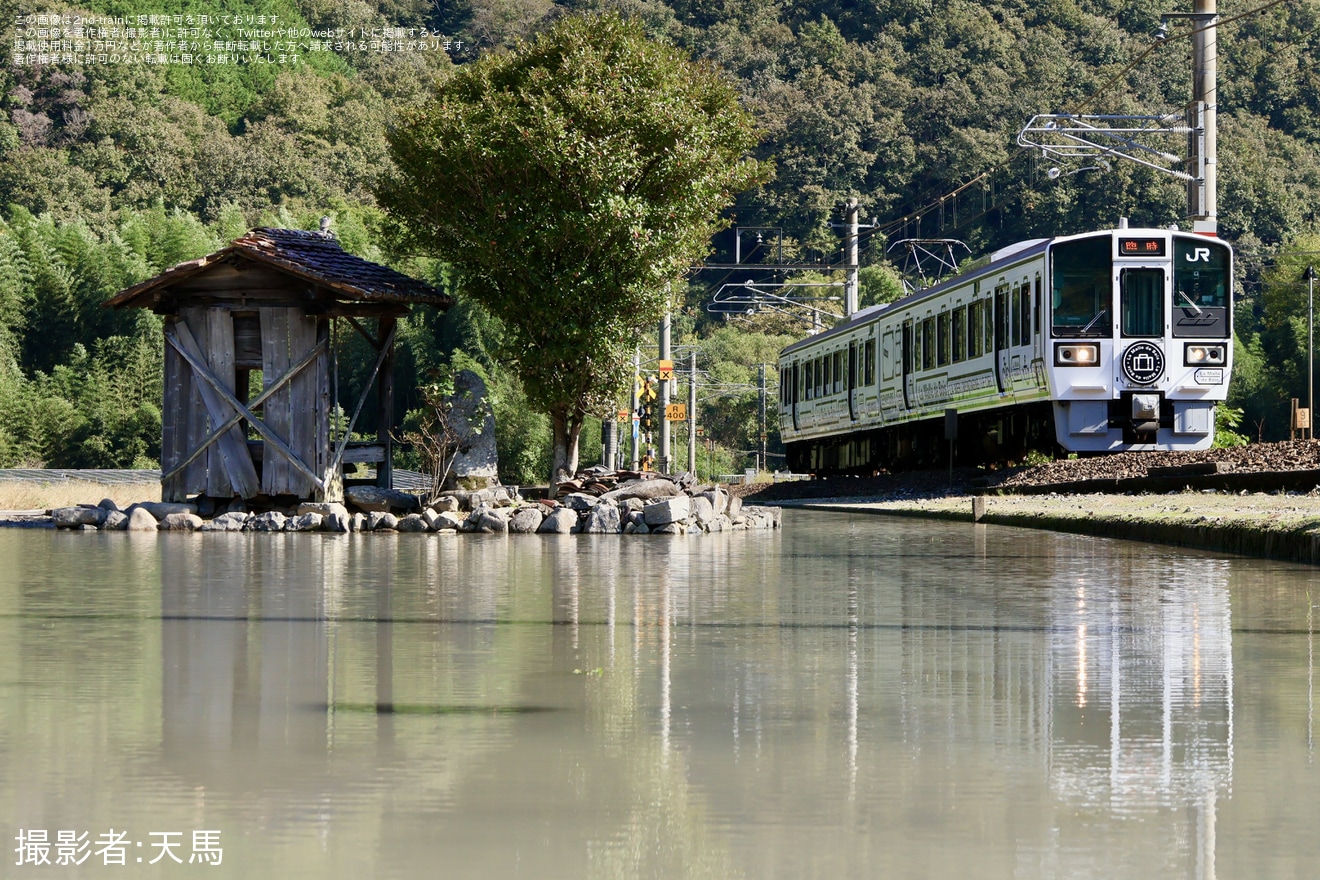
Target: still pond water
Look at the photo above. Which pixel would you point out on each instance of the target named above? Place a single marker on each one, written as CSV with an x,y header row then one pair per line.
x,y
847,697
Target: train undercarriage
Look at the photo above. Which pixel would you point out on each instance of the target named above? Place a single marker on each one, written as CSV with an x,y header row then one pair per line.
x,y
998,437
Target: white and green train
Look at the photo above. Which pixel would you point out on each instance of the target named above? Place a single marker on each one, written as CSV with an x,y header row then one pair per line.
x,y
1102,342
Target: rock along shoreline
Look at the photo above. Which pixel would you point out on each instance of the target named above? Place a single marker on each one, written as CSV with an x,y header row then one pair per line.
x,y
596,503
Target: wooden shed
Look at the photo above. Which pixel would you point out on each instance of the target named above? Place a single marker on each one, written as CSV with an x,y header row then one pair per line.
x,y
274,301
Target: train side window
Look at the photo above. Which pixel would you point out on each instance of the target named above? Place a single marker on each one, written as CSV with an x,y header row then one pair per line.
x,y
942,339
1035,301
1002,312
838,371
1024,316
974,331
1014,306
806,380
889,356
959,334
928,344
822,376
988,325
868,362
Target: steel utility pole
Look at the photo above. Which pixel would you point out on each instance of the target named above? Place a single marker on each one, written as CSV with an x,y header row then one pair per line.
x,y
1202,194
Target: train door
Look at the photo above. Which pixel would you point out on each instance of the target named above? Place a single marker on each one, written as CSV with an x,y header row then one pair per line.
x,y
1141,309
889,372
1001,318
793,392
1022,377
1037,335
852,379
907,364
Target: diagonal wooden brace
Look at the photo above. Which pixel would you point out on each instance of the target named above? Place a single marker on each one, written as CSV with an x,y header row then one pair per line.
x,y
237,417
234,456
183,342
357,411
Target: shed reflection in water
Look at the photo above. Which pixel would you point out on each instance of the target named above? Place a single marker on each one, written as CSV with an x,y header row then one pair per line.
x,y
851,697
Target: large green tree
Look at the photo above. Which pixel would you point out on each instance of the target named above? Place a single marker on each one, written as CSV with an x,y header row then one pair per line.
x,y
571,181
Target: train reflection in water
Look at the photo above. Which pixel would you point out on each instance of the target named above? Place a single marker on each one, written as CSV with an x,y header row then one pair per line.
x,y
1021,712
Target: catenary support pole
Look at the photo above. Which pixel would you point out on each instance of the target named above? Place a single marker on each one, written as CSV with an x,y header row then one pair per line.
x,y
850,296
762,464
1203,201
692,412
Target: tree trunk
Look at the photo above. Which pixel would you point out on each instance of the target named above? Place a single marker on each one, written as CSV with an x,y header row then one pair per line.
x,y
566,428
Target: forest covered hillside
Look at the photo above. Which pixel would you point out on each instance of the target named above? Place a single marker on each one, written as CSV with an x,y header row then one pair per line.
x,y
111,172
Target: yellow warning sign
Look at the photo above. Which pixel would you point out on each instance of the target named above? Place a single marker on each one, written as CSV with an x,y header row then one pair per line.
x,y
676,412
666,370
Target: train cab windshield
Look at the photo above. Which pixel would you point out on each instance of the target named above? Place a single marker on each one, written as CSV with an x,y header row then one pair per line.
x,y
1200,289
1082,287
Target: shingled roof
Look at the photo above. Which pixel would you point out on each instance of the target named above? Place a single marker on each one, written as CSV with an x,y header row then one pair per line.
x,y
312,256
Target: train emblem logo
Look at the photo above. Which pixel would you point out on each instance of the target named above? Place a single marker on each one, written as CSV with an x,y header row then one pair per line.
x,y
1143,363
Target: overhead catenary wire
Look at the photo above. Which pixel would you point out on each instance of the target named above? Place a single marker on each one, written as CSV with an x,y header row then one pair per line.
x,y
985,177
995,198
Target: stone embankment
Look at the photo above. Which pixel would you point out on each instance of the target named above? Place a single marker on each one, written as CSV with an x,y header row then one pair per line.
x,y
597,503
1282,525
1257,500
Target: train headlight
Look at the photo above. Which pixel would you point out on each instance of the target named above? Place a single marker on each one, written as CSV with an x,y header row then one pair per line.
x,y
1077,354
1201,355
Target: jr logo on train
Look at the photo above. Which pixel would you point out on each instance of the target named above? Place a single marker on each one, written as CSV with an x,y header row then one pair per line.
x,y
1102,342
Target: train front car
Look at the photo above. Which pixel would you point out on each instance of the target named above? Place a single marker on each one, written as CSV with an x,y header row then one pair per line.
x,y
1141,339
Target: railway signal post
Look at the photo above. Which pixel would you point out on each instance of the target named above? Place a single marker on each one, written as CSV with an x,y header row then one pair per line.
x,y
636,394
666,377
